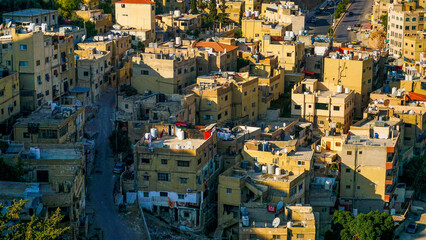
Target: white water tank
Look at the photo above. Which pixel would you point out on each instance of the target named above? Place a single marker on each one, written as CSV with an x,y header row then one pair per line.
x,y
318,148
346,90
43,27
278,171
271,168
147,136
180,134
291,34
392,211
256,13
154,132
248,13
36,152
394,90
289,224
177,13
264,169
339,88
178,41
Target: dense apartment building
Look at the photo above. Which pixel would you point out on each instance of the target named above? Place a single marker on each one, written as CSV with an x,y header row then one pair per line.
x,y
94,72
352,71
256,28
35,16
176,175
166,73
102,21
178,22
44,62
136,18
235,10
380,8
266,221
404,20
119,45
328,110
58,170
284,13
215,56
50,125
413,46
166,6
9,99
252,5
369,183
290,53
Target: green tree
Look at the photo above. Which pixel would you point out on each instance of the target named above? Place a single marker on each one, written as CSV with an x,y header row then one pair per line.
x,y
194,9
238,33
222,16
384,21
67,6
212,11
123,142
128,90
414,174
11,227
11,173
372,226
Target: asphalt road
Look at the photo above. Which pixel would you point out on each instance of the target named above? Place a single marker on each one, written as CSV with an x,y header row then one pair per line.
x,y
323,22
101,182
361,10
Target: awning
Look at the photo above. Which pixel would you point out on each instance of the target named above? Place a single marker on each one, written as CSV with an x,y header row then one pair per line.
x,y
416,97
79,90
308,72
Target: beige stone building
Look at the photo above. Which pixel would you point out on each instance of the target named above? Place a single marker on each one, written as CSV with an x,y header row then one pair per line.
x,y
94,72
102,21
176,175
413,46
291,222
380,8
44,62
235,10
403,20
35,16
256,28
284,13
9,99
290,53
252,5
165,73
51,125
328,110
353,71
367,183
178,22
58,172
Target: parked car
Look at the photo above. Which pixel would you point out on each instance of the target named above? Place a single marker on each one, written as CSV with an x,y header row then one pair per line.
x,y
349,29
351,13
357,25
312,20
411,228
355,42
119,168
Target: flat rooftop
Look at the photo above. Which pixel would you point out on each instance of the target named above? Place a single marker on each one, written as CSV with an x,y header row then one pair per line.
x,y
301,154
13,190
29,12
173,142
365,140
48,116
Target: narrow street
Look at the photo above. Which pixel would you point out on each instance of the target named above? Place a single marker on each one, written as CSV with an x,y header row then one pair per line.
x,y
101,181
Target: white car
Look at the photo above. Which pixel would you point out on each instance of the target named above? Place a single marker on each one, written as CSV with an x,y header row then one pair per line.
x,y
349,29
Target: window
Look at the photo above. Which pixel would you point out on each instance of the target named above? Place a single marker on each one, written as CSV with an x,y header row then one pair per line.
x,y
336,108
414,19
23,63
276,236
179,70
301,163
146,178
245,93
219,116
181,196
338,144
349,152
321,122
86,73
226,113
293,191
253,104
199,161
300,235
38,63
324,209
300,187
8,63
145,161
183,163
360,152
163,194
297,107
348,170
48,134
123,5
183,180
63,130
407,27
407,19
253,236
245,108
358,187
254,89
163,177
288,54
164,161
23,47
26,135
321,106
145,194
144,72
348,186
228,190
413,27
226,98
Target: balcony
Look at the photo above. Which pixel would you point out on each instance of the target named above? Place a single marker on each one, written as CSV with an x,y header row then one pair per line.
x,y
389,180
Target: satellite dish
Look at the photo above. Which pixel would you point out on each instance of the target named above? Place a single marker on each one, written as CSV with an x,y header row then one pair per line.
x,y
266,130
280,205
276,222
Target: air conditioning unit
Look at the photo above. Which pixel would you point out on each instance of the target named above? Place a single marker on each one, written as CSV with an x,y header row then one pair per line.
x,y
188,190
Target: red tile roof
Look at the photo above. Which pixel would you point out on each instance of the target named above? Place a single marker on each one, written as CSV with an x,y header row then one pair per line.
x,y
415,97
217,47
136,1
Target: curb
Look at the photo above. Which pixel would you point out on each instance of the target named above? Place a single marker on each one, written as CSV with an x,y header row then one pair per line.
x,y
341,17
